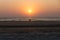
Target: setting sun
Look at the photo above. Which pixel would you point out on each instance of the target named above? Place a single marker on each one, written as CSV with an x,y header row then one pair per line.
x,y
30,11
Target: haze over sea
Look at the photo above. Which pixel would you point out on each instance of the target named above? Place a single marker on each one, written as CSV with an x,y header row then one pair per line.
x,y
32,18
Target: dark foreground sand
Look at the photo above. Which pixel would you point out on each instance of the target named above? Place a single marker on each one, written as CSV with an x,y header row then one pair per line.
x,y
42,33
30,24
16,26
38,30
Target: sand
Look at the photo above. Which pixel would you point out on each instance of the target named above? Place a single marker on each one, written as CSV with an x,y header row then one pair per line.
x,y
29,24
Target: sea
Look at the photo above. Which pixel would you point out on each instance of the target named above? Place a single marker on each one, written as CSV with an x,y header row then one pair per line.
x,y
33,19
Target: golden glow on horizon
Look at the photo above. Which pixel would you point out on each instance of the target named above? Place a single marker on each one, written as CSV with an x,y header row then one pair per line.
x,y
28,8
32,7
29,11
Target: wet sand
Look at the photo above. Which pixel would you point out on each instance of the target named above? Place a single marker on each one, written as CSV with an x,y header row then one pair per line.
x,y
26,26
38,30
29,24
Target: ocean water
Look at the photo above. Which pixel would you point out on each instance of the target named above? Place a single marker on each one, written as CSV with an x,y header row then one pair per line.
x,y
27,19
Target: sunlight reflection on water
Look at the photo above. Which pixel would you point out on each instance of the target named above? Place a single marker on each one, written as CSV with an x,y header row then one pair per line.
x,y
26,19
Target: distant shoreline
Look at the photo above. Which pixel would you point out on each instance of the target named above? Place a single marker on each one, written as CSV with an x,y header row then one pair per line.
x,y
33,19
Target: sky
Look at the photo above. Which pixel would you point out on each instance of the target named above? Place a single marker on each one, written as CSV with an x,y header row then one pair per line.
x,y
20,8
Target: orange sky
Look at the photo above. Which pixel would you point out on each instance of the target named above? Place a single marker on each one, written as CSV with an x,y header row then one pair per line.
x,y
21,7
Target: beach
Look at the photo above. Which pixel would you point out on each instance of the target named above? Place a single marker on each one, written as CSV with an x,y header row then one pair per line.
x,y
29,23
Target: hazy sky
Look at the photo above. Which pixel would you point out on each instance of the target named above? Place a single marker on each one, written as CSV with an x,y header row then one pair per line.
x,y
40,8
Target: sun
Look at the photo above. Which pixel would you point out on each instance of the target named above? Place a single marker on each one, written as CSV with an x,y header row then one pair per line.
x,y
29,11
